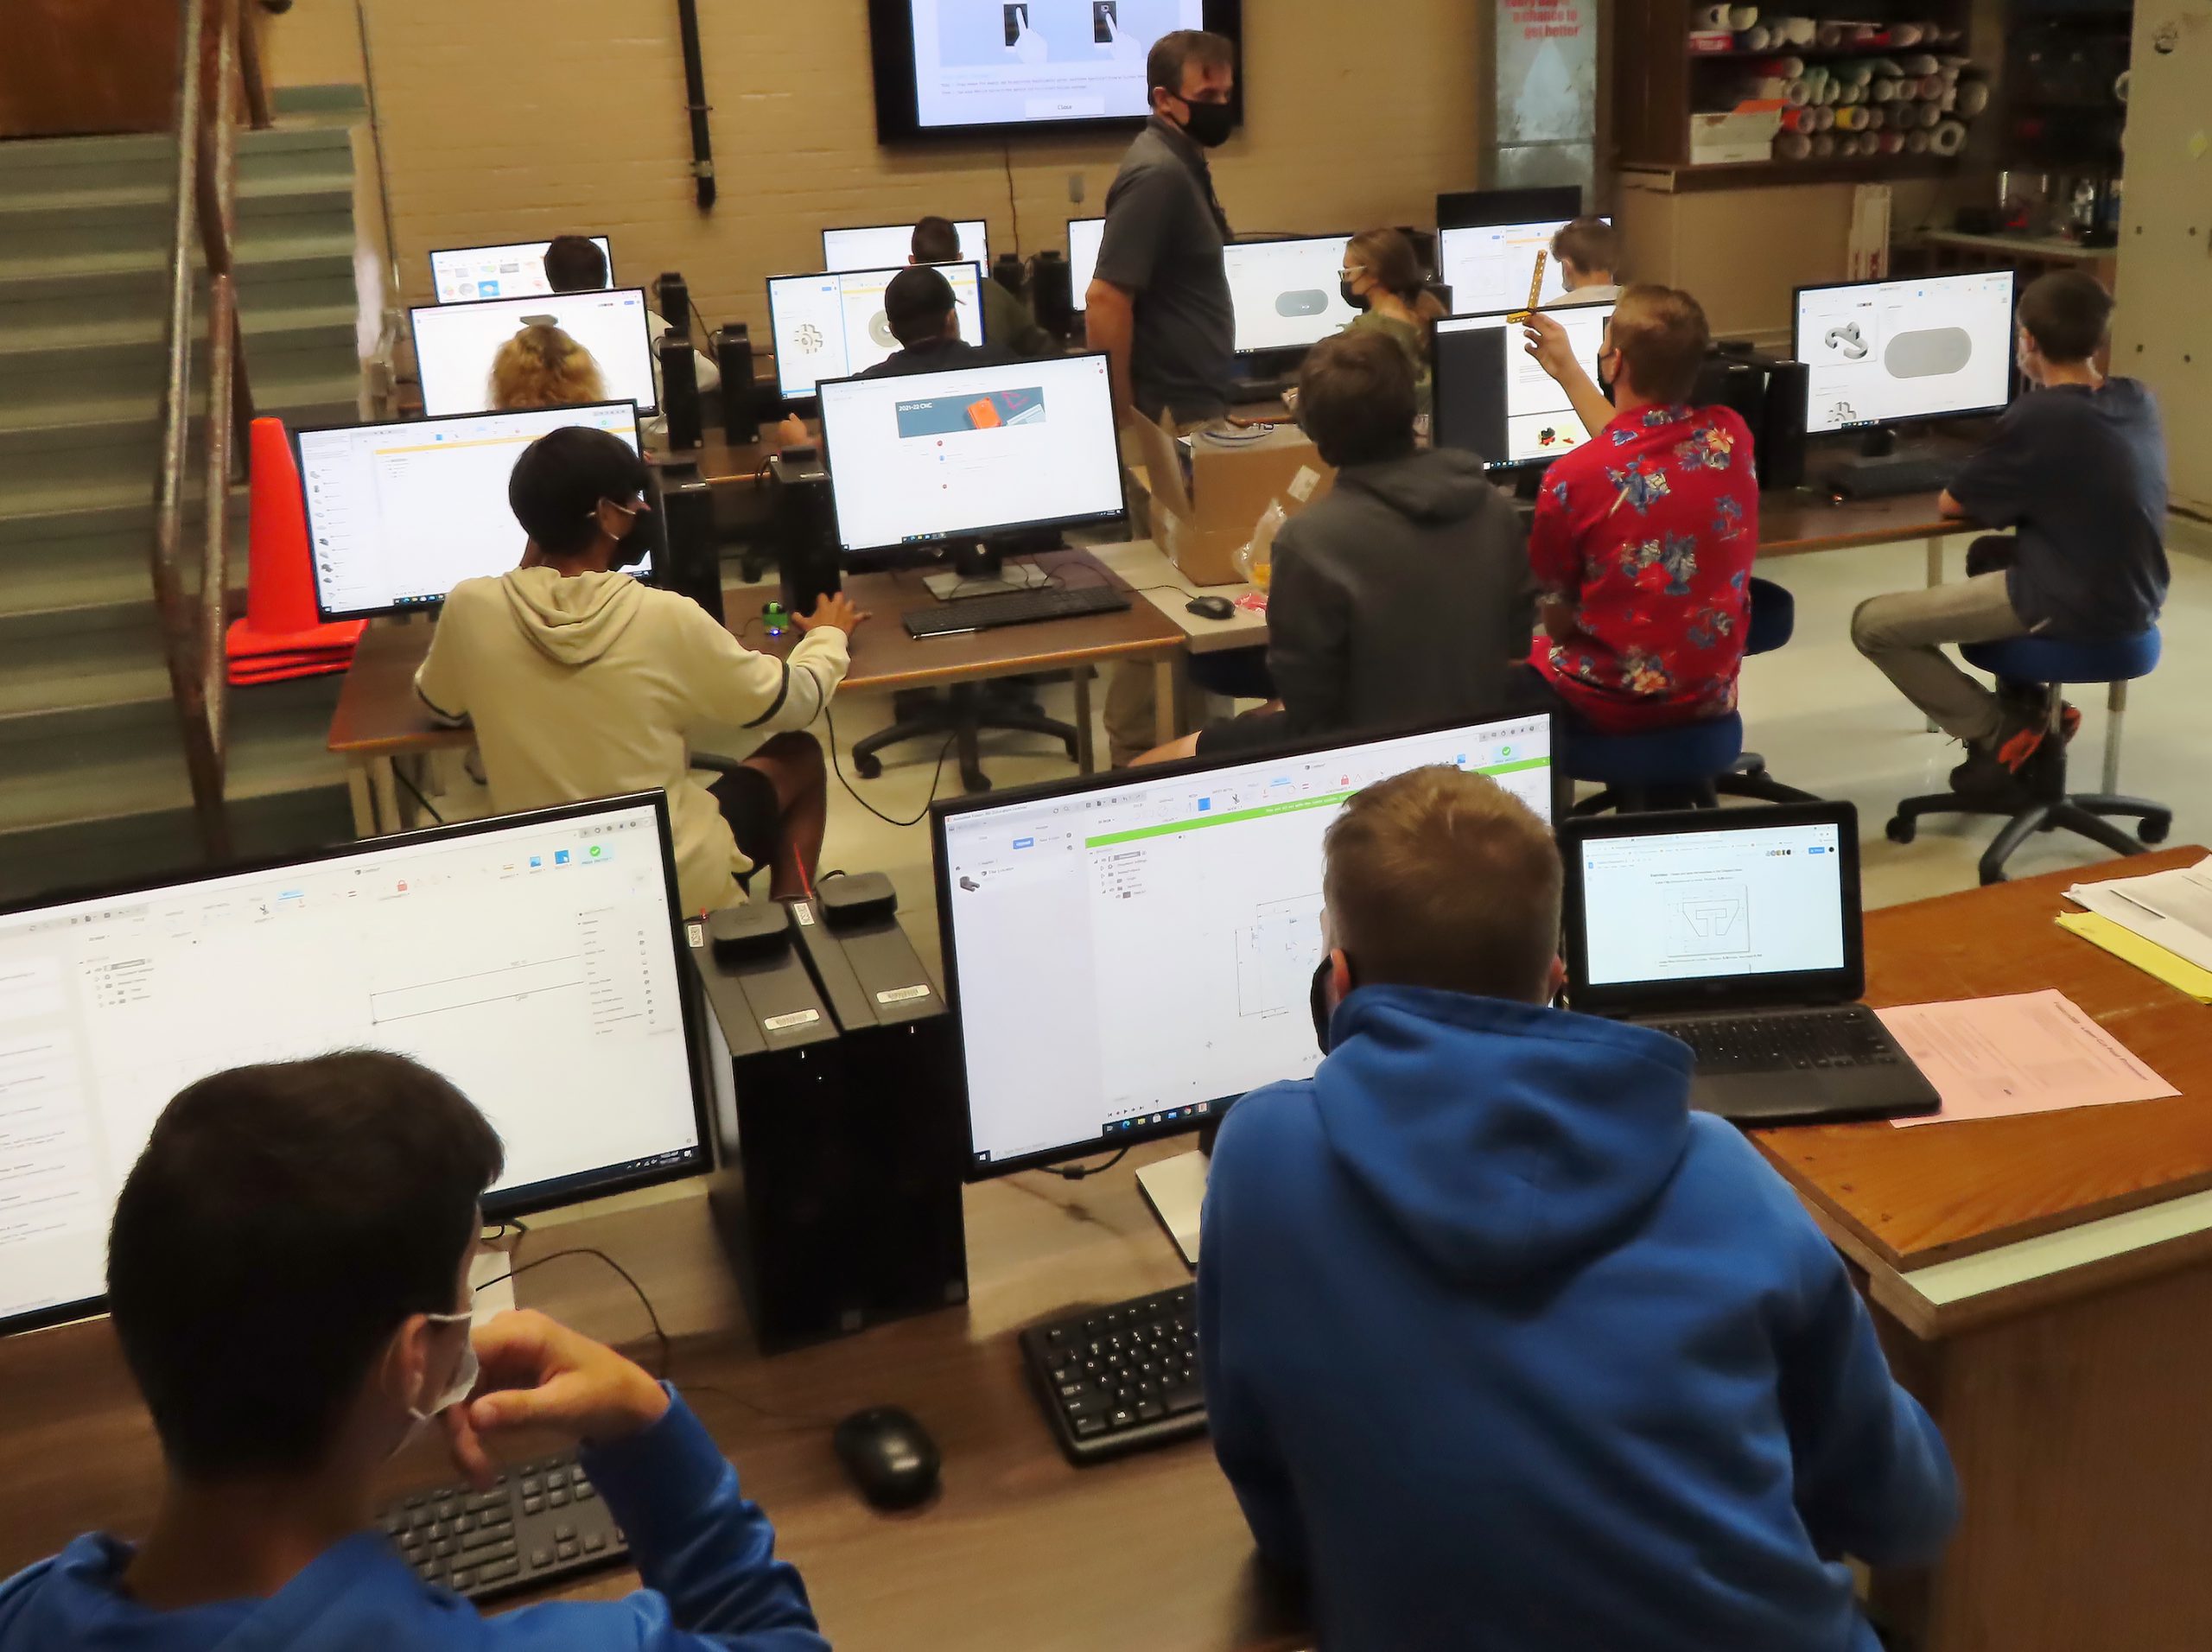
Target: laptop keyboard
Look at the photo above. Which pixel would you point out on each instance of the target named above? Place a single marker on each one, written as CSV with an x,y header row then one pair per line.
x,y
1786,1041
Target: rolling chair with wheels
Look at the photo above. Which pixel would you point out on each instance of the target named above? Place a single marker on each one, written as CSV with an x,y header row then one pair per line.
x,y
1773,622
965,713
2040,802
1668,768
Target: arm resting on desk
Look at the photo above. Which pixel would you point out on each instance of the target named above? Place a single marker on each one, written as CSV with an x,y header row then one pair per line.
x,y
437,685
706,1554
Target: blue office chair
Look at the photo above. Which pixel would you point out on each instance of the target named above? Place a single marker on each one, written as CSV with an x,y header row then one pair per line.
x,y
2042,803
1773,622
1668,768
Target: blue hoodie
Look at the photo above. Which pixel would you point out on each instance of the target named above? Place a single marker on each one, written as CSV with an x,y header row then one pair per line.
x,y
1505,1347
707,1556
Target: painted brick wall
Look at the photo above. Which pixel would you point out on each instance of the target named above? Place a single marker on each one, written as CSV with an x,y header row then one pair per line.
x,y
503,120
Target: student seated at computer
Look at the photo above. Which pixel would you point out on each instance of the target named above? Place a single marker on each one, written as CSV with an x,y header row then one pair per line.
x,y
574,263
543,367
1588,253
1644,535
1402,595
920,309
1008,324
288,1274
581,682
1382,278
2078,469
1504,1345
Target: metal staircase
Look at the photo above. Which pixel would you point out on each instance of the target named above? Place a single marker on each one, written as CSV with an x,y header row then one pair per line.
x,y
95,785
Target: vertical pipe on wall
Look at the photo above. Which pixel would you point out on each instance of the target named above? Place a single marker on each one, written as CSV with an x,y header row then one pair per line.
x,y
695,94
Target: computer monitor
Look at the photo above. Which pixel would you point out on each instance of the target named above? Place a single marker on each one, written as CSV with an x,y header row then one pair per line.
x,y
831,325
1461,209
399,514
456,344
880,245
1128,953
1491,398
1487,266
1880,352
1084,235
972,453
532,959
512,269
1286,292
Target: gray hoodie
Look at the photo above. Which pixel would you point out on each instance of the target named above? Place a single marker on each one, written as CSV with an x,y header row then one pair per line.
x,y
1403,596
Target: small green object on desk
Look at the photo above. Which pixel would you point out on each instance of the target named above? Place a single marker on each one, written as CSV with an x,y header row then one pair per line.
x,y
777,618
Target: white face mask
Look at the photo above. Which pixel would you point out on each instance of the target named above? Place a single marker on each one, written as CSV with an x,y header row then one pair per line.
x,y
464,1374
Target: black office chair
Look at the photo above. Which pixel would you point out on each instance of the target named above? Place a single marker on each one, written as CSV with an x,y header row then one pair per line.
x,y
1773,622
967,709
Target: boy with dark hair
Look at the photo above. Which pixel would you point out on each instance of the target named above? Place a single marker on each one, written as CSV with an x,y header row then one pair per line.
x,y
1503,1346
1400,597
1008,327
2078,469
1588,253
287,1273
1644,534
574,263
581,682
919,309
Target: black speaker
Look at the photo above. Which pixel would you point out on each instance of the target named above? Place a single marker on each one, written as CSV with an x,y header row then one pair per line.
x,y
691,561
1780,433
733,360
804,527
673,299
679,390
1052,294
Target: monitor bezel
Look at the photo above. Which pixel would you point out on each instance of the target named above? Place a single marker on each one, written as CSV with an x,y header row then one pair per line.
x,y
415,341
1845,984
307,508
895,74
947,809
996,530
1863,427
1076,293
1438,377
1463,211
982,228
790,398
1264,350
604,245
523,1201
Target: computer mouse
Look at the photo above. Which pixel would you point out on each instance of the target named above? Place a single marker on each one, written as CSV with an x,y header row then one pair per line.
x,y
1211,608
890,1458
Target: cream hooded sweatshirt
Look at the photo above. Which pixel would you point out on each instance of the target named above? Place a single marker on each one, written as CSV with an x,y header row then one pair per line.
x,y
589,684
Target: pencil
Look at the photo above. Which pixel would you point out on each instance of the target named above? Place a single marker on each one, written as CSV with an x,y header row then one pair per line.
x,y
1535,289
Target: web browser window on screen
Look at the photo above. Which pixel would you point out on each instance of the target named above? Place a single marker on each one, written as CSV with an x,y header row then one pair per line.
x,y
996,62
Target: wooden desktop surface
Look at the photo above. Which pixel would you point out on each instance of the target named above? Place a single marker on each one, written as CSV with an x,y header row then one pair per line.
x,y
380,713
1922,1194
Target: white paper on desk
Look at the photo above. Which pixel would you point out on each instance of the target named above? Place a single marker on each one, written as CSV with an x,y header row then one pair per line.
x,y
2173,909
2028,1052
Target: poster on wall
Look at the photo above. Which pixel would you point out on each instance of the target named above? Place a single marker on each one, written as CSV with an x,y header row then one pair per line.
x,y
1547,72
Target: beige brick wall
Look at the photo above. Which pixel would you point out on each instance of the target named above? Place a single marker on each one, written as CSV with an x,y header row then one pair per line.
x,y
514,119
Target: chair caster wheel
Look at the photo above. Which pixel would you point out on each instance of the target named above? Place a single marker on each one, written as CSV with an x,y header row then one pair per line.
x,y
2151,829
1901,829
868,768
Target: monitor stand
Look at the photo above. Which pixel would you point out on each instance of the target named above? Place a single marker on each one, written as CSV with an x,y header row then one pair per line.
x,y
979,569
1176,1189
1881,468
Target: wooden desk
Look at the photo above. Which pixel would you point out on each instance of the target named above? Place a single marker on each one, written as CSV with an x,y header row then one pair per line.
x,y
1020,1551
2045,1284
381,722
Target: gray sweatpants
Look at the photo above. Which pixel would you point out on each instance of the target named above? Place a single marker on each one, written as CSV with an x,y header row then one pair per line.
x,y
1903,633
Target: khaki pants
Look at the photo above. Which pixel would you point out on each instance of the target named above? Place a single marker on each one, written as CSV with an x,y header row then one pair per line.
x,y
1904,634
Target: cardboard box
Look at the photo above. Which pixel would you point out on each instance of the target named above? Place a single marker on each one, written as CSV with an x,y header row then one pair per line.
x,y
1202,494
1745,133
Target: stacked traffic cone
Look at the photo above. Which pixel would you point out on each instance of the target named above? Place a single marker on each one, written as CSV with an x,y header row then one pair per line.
x,y
282,635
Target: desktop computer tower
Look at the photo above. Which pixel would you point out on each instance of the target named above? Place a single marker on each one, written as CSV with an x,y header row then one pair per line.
x,y
733,347
1052,294
679,390
689,558
838,1201
803,526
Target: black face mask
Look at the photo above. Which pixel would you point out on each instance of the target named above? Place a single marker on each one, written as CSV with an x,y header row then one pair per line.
x,y
1210,123
1352,300
1317,997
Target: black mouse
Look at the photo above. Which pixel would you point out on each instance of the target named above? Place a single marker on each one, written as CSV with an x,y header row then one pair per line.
x,y
1212,608
890,1458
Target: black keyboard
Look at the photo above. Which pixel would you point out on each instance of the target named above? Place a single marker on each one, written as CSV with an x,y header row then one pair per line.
x,y
1787,1041
1247,392
1120,1378
1014,608
541,1523
1892,478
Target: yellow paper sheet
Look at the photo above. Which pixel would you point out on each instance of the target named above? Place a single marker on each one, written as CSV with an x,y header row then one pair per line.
x,y
2153,959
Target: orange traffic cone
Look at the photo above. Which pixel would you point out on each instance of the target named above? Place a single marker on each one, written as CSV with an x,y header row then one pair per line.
x,y
282,635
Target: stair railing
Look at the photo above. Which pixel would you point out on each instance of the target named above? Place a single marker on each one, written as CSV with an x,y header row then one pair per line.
x,y
216,54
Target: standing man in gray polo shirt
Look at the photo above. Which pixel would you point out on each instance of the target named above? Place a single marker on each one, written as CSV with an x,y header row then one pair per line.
x,y
1159,304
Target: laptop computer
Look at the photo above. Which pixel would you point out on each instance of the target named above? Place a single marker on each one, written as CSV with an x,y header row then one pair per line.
x,y
1737,931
